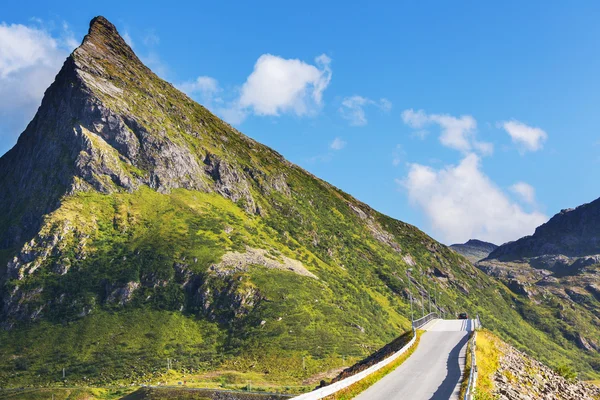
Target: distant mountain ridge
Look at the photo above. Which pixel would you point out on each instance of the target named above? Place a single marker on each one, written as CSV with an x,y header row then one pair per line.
x,y
572,232
474,250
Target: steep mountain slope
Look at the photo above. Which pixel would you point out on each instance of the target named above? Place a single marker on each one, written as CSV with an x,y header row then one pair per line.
x,y
474,250
558,270
140,232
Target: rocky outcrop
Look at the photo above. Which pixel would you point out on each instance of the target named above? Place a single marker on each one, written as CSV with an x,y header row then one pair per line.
x,y
521,377
229,182
377,231
121,295
234,262
225,299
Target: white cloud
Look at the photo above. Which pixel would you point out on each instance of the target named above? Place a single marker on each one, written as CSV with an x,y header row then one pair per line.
x,y
524,191
30,58
233,115
337,144
415,119
278,85
68,37
462,203
205,87
353,108
202,84
127,38
456,133
385,104
526,137
153,61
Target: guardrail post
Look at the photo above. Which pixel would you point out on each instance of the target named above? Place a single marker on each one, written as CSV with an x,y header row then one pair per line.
x,y
472,383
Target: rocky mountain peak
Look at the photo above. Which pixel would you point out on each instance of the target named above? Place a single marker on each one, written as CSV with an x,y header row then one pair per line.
x,y
109,124
474,249
103,46
101,24
481,243
105,37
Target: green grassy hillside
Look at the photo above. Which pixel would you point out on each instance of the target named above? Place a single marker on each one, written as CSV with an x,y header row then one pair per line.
x,y
180,242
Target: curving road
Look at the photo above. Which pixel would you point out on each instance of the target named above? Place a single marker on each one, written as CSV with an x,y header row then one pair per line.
x,y
433,371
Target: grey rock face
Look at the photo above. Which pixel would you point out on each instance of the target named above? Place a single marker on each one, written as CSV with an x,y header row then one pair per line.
x,y
229,182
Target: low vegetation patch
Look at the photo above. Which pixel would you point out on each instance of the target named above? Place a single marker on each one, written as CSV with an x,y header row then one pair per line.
x,y
487,354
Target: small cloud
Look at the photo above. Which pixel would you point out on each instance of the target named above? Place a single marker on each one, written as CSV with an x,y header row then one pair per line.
x,y
353,108
524,191
385,104
205,87
233,115
68,37
154,62
127,38
415,119
457,133
337,144
528,138
278,85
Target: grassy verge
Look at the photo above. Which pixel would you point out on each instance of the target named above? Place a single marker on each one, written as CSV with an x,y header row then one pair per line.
x,y
488,354
353,390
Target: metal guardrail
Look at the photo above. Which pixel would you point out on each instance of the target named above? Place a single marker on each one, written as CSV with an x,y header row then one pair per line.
x,y
424,320
344,383
473,374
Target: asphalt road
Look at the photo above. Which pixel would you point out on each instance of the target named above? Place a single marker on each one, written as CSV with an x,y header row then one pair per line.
x,y
433,371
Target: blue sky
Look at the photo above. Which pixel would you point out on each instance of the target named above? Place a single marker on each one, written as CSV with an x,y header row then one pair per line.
x,y
466,119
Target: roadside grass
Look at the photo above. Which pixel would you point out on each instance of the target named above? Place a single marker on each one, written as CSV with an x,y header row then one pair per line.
x,y
355,389
487,353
